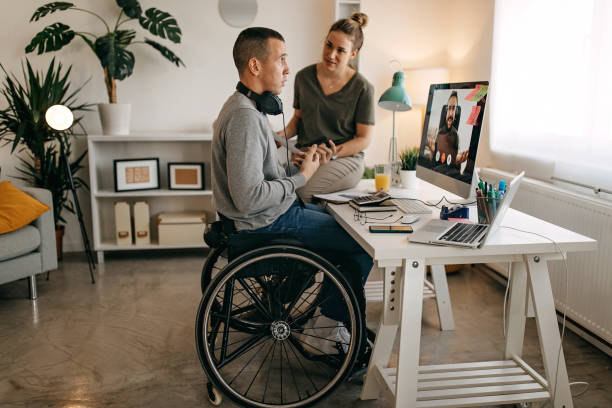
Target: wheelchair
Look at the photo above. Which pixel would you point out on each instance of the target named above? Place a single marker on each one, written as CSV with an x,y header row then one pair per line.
x,y
261,336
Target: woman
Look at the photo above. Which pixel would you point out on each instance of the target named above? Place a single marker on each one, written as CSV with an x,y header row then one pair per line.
x,y
334,108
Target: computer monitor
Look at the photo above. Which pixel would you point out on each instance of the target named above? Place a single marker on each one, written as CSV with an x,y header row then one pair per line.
x,y
451,132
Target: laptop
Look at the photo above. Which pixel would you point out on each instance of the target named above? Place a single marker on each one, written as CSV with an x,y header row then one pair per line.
x,y
442,232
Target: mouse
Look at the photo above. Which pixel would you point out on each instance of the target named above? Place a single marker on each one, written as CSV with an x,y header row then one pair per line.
x,y
410,218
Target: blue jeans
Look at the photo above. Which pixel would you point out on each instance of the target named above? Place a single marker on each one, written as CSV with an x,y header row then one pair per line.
x,y
322,234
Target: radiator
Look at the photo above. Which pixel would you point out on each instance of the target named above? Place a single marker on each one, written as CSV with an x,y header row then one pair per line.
x,y
589,298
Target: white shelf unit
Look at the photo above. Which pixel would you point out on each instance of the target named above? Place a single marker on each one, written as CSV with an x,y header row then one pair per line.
x,y
344,8
168,147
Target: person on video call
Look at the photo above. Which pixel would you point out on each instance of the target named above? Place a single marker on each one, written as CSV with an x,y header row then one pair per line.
x,y
447,141
254,191
334,103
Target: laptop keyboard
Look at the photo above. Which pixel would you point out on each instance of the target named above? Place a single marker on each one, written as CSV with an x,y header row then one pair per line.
x,y
411,206
464,233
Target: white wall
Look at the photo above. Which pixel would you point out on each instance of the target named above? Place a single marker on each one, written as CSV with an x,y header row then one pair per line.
x,y
416,33
413,32
422,34
163,97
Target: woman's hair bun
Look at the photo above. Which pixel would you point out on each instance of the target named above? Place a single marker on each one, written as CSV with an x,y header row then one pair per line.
x,y
360,18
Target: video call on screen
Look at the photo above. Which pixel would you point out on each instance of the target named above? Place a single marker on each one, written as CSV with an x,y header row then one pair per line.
x,y
452,129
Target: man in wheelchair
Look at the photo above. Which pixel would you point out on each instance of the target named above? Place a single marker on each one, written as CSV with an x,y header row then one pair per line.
x,y
256,200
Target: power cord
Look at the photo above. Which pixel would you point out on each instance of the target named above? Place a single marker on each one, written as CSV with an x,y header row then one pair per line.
x,y
286,144
439,202
584,383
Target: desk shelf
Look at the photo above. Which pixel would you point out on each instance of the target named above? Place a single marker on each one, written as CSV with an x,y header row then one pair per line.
x,y
473,384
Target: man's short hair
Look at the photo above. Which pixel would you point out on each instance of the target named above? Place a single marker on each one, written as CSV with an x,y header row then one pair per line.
x,y
253,42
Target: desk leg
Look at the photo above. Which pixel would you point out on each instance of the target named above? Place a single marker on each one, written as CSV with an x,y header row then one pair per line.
x,y
548,331
385,337
445,313
410,333
515,322
387,330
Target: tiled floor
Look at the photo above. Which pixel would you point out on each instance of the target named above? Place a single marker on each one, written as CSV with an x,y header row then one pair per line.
x,y
128,340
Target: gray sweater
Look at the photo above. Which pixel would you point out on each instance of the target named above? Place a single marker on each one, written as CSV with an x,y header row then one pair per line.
x,y
249,185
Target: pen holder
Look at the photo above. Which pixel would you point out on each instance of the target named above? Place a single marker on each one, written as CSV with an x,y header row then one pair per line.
x,y
487,208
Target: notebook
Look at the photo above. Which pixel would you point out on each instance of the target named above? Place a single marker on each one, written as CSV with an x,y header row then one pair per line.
x,y
384,206
441,232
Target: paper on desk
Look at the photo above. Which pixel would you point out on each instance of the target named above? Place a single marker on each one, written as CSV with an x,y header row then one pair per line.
x,y
337,198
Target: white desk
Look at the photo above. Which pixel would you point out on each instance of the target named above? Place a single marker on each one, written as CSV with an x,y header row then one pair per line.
x,y
509,380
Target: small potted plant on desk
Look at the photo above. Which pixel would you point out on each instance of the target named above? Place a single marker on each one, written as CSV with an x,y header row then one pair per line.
x,y
408,172
111,48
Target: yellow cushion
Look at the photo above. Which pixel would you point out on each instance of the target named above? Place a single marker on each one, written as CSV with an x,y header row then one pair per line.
x,y
17,208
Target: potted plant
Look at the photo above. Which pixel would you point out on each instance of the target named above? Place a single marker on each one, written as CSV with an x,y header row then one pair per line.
x,y
23,127
111,48
409,158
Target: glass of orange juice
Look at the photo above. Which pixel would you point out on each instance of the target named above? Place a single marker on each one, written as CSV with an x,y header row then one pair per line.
x,y
382,177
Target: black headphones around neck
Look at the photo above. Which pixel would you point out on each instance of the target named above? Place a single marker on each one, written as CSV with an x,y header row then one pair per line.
x,y
267,102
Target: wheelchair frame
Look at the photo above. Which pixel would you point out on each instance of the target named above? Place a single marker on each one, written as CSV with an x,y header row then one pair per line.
x,y
252,279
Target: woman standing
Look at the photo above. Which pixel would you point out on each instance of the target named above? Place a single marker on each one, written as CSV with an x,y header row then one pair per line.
x,y
334,109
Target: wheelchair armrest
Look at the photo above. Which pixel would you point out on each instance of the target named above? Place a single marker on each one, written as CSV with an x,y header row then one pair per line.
x,y
217,233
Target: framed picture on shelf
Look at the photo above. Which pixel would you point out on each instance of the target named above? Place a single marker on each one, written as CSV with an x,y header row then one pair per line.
x,y
136,174
186,176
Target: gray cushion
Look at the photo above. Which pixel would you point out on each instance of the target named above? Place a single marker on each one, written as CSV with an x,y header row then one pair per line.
x,y
19,268
17,243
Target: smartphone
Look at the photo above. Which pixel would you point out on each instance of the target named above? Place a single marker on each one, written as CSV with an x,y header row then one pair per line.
x,y
322,140
399,229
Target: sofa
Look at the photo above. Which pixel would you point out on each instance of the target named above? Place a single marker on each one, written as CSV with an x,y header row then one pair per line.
x,y
30,250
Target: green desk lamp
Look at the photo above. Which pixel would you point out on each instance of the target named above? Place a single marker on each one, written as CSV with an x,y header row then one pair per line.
x,y
395,99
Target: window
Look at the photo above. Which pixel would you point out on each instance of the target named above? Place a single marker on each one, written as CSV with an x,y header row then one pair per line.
x,y
551,85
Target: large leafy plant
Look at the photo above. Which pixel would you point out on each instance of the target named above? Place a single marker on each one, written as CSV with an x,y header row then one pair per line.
x,y
111,48
23,127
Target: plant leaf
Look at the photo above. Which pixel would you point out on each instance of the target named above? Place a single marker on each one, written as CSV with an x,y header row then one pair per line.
x,y
118,60
123,38
22,124
169,55
51,38
161,24
131,8
50,8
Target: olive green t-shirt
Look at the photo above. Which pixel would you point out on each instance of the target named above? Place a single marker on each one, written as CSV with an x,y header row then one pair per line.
x,y
333,116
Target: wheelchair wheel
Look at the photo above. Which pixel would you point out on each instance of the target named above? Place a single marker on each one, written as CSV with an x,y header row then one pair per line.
x,y
260,334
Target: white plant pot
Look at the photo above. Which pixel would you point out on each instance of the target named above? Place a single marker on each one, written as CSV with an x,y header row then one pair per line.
x,y
409,179
115,118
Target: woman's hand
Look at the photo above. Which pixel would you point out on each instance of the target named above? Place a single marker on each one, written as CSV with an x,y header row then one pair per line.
x,y
326,153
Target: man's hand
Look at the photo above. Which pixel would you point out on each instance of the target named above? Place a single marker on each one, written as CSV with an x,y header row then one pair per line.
x,y
431,144
461,157
326,153
310,162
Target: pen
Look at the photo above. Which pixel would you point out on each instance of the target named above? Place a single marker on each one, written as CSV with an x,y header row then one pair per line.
x,y
480,207
492,203
502,188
